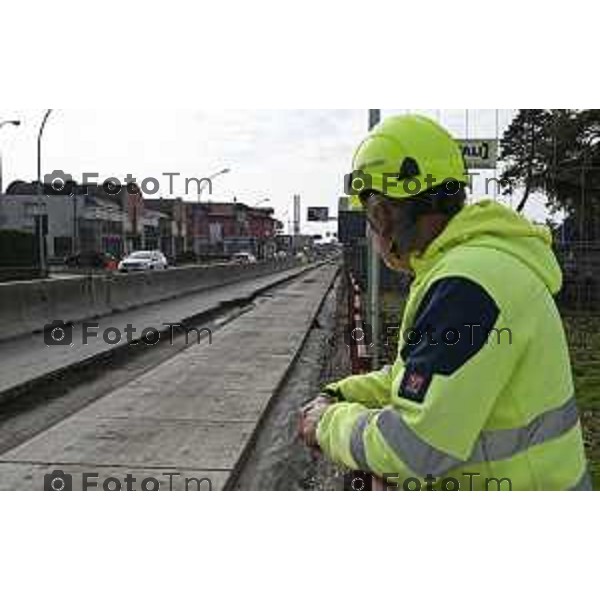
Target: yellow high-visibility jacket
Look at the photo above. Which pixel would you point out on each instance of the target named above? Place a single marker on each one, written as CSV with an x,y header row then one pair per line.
x,y
481,395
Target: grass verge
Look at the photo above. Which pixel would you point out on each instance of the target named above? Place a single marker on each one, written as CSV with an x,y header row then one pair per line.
x,y
583,332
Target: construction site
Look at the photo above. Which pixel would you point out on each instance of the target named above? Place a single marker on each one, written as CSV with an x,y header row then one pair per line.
x,y
240,346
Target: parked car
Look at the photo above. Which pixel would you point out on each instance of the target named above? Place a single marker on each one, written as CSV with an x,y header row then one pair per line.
x,y
244,258
91,260
144,261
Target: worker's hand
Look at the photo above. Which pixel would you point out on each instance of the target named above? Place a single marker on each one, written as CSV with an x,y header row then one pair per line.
x,y
310,416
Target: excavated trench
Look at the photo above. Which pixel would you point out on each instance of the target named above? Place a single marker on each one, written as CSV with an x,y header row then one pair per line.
x,y
278,460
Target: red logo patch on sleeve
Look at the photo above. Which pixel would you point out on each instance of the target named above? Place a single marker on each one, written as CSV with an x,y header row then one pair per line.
x,y
415,385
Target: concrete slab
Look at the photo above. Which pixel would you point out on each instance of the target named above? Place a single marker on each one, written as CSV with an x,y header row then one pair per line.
x,y
164,399
138,442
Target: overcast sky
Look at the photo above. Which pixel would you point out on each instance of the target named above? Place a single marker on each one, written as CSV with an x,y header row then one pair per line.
x,y
271,153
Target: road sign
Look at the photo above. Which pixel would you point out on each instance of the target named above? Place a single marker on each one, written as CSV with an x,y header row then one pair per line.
x,y
318,214
480,154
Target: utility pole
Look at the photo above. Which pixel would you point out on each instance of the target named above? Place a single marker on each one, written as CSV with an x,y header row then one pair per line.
x,y
374,272
297,215
40,185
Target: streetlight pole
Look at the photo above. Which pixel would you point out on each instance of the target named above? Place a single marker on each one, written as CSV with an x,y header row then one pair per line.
x,y
265,201
201,188
41,236
374,272
39,147
260,245
2,124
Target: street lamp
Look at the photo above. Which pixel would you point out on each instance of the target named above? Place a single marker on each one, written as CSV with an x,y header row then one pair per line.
x,y
39,147
14,123
209,180
40,224
203,185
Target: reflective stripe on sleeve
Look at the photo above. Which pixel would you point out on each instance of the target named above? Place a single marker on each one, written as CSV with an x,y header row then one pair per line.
x,y
506,443
357,444
424,459
418,455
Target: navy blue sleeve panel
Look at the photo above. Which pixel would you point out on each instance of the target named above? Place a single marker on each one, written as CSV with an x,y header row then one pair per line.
x,y
452,325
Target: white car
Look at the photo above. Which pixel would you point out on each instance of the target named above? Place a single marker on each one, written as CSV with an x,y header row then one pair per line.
x,y
244,258
144,261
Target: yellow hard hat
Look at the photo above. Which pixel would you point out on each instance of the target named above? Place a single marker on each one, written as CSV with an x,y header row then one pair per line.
x,y
406,156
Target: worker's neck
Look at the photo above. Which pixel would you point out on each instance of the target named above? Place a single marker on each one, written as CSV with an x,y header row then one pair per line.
x,y
429,228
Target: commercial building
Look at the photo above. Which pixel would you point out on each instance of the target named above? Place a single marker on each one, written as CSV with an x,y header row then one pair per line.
x,y
74,224
222,229
92,220
173,224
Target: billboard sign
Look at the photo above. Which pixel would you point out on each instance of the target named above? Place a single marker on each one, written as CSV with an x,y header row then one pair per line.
x,y
480,154
318,214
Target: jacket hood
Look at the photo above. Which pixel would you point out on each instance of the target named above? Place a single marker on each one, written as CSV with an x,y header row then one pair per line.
x,y
490,224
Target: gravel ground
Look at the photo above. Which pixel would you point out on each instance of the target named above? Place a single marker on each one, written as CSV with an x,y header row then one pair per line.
x,y
278,460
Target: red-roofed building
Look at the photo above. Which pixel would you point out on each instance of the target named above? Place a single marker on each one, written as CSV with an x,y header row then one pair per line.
x,y
220,228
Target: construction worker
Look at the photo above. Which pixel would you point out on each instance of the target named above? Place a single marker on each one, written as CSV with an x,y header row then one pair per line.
x,y
481,395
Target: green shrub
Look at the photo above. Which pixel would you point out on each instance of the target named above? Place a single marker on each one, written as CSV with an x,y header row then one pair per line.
x,y
17,249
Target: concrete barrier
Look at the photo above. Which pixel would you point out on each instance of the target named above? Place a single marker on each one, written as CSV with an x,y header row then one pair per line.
x,y
27,307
